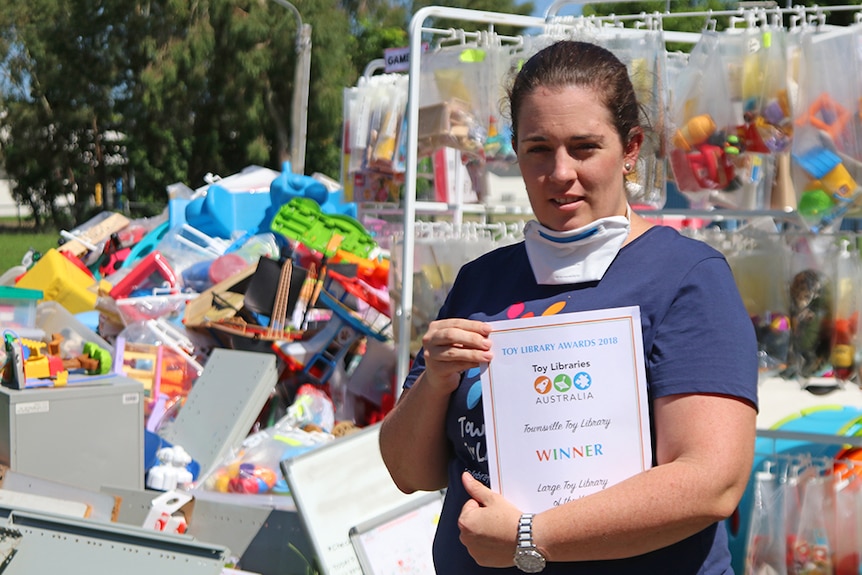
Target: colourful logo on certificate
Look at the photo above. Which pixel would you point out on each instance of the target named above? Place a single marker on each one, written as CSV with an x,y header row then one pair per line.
x,y
562,383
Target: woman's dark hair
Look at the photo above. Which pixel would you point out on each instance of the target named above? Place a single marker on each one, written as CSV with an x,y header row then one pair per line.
x,y
584,65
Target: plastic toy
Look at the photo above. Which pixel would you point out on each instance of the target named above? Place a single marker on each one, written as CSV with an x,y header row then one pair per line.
x,y
221,212
826,167
153,271
113,255
843,356
95,360
36,363
815,202
773,340
143,366
288,185
146,245
92,233
302,220
254,468
62,281
498,145
18,306
707,167
158,360
171,471
374,272
13,365
695,132
827,115
320,360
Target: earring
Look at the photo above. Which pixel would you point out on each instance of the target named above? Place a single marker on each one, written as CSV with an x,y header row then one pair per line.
x,y
628,166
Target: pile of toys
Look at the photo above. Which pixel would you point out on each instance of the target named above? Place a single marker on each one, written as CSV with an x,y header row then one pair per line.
x,y
264,261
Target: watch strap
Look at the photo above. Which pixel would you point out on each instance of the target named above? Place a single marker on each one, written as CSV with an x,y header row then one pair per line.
x,y
525,531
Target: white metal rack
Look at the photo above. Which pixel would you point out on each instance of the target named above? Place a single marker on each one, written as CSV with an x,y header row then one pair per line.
x,y
410,207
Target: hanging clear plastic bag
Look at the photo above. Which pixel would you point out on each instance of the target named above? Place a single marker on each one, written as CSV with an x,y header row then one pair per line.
x,y
812,546
501,61
765,548
810,293
758,258
439,253
702,118
254,469
452,84
756,61
848,280
848,499
791,482
827,143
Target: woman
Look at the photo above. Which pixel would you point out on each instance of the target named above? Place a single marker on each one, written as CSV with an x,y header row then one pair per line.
x,y
575,121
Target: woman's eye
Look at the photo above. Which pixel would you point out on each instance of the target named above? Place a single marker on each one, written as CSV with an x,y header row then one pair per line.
x,y
537,149
583,149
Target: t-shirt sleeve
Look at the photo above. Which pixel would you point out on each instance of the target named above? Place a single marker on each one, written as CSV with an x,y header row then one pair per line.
x,y
706,341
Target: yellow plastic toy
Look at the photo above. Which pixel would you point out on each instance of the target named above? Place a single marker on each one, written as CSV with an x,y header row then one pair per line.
x,y
695,132
62,281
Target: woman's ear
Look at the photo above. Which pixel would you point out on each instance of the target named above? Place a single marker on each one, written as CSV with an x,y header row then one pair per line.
x,y
633,146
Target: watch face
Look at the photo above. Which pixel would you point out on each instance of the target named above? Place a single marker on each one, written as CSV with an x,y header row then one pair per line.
x,y
529,561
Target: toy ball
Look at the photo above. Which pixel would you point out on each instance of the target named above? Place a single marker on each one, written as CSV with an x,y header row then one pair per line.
x,y
814,202
779,323
262,487
221,483
266,475
243,485
249,485
232,469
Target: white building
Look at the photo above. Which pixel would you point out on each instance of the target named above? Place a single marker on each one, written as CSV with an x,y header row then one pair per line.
x,y
8,207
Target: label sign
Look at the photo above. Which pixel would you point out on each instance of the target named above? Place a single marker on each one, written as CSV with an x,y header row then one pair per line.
x,y
398,59
32,407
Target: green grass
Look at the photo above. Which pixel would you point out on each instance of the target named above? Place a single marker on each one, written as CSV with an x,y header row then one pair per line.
x,y
13,246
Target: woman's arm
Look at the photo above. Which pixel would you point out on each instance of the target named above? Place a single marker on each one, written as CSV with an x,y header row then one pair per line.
x,y
704,450
413,435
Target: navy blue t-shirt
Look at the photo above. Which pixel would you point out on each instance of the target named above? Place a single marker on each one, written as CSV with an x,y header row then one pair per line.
x,y
698,338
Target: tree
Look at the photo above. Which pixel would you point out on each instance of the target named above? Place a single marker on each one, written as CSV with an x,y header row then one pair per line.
x,y
156,92
224,88
376,26
61,67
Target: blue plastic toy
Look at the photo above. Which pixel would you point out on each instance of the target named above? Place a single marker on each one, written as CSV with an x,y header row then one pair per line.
x,y
288,185
143,248
223,213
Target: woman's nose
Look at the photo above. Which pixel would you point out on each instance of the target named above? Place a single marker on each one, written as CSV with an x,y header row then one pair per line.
x,y
563,168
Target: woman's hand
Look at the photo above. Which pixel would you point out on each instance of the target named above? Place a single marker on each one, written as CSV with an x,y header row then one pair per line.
x,y
452,346
489,525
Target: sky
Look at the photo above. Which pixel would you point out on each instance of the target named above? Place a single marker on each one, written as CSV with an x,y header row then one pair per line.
x,y
541,7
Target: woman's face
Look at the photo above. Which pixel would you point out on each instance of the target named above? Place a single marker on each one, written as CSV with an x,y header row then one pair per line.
x,y
571,157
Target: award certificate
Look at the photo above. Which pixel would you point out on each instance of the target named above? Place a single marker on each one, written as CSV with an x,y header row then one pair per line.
x,y
566,408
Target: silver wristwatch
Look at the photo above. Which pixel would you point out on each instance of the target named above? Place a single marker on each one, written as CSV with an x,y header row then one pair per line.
x,y
527,558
